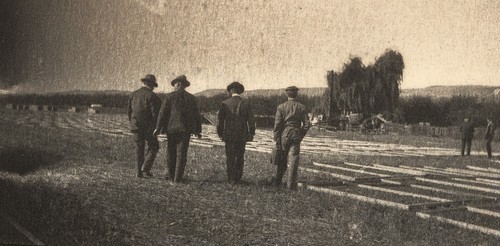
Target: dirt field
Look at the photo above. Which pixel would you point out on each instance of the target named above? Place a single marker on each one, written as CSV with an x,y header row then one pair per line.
x,y
317,142
69,179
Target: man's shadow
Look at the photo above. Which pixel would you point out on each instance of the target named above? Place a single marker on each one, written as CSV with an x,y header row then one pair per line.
x,y
23,160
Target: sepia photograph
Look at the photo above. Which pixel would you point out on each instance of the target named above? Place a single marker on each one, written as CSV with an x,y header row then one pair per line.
x,y
249,122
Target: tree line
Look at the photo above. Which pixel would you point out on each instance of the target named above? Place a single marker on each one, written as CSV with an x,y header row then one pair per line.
x,y
63,100
412,110
447,111
262,105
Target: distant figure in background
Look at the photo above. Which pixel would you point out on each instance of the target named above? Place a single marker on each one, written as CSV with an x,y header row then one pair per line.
x,y
236,127
488,136
179,117
467,130
142,111
290,126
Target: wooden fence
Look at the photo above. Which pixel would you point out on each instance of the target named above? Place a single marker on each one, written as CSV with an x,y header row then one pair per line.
x,y
427,130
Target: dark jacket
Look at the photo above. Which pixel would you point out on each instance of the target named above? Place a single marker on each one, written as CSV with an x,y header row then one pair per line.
x,y
236,122
291,122
179,113
467,130
142,110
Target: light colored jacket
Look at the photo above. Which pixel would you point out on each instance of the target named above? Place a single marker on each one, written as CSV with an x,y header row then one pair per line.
x,y
291,118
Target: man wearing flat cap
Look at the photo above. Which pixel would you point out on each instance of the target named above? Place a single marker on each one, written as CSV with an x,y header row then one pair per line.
x,y
179,117
142,111
290,126
236,126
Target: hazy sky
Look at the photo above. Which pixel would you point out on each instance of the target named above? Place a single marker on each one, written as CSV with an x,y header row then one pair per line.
x,y
57,45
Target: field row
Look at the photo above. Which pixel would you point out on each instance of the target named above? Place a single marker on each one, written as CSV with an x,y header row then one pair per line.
x,y
117,124
468,198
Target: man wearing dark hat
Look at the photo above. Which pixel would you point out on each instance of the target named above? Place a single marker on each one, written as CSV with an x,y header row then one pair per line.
x,y
179,117
236,126
467,130
290,126
142,110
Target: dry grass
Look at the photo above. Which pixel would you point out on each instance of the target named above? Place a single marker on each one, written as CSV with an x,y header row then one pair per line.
x,y
78,188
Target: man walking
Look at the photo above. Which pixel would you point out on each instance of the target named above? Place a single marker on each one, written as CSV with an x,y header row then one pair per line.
x,y
236,126
290,126
467,130
488,136
142,111
179,117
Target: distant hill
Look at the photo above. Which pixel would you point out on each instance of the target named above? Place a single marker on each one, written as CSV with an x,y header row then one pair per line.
x,y
432,91
449,91
314,91
210,92
90,92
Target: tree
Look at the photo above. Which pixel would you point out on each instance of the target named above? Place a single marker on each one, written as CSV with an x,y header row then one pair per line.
x,y
419,109
332,79
367,89
352,83
388,76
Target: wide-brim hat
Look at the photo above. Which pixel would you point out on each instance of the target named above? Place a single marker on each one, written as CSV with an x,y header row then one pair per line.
x,y
236,85
292,88
150,79
182,79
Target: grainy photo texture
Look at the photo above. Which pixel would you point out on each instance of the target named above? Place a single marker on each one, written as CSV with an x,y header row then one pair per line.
x,y
238,122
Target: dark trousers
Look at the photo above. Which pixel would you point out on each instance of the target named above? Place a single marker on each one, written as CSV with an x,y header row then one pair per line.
x,y
177,147
488,147
466,143
145,161
235,152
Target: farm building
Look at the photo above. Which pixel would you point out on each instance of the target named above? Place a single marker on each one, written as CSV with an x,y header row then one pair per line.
x,y
49,108
74,109
95,109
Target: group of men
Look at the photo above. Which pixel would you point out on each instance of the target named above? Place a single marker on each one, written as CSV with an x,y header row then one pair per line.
x,y
178,117
467,130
